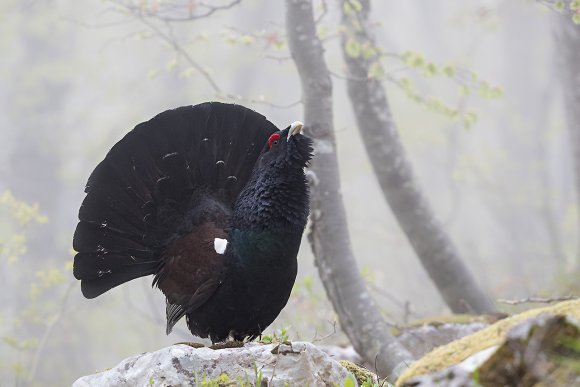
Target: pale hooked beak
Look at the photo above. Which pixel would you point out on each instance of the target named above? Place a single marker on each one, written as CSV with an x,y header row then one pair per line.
x,y
295,127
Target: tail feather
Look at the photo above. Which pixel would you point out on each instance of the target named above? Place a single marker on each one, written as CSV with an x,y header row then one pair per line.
x,y
91,237
139,196
97,209
111,277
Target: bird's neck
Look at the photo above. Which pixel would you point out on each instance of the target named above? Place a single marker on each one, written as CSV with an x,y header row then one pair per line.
x,y
273,202
269,218
265,247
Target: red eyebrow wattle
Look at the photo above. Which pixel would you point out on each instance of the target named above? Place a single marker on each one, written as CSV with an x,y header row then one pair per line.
x,y
273,138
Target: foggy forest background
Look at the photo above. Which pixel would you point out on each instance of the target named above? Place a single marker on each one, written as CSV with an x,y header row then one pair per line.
x,y
478,91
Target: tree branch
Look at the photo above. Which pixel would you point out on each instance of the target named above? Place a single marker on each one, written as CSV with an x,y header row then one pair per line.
x,y
172,42
173,13
537,300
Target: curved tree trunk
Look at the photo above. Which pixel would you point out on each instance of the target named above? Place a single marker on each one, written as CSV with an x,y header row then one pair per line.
x,y
395,174
567,35
329,238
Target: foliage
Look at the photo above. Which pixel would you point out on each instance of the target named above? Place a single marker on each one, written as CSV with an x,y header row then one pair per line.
x,y
258,377
362,376
569,7
279,336
15,217
359,45
26,332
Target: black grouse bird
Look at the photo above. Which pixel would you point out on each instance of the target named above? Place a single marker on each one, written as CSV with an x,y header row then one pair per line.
x,y
212,200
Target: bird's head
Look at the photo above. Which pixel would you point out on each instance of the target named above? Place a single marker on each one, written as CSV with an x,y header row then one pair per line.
x,y
287,148
276,195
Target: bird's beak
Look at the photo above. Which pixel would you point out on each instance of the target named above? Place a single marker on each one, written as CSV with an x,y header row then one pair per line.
x,y
295,127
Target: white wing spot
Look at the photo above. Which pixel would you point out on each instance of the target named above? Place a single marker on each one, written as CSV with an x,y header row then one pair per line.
x,y
220,245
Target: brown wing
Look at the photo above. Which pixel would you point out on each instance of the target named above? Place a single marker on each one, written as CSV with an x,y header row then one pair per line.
x,y
192,271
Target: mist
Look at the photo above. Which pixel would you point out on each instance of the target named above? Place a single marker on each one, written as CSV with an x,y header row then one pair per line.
x,y
488,134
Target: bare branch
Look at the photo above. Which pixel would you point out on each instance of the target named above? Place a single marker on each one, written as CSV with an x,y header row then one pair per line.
x,y
51,323
316,338
260,101
172,42
173,13
551,5
537,300
405,306
323,13
179,49
98,25
278,59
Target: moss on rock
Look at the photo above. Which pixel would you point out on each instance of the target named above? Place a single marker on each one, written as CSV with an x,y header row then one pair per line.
x,y
361,374
457,351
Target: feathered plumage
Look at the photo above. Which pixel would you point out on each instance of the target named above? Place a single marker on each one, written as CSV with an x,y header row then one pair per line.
x,y
210,199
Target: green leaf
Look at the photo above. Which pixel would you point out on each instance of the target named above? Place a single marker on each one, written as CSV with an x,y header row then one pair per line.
x,y
430,69
152,74
187,73
376,71
559,5
347,9
308,282
368,51
496,92
171,65
469,119
576,18
448,70
231,39
413,59
321,31
267,339
351,6
350,381
463,91
406,84
246,39
352,48
433,103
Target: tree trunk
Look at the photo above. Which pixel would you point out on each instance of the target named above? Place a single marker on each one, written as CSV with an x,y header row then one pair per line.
x,y
568,56
328,236
395,174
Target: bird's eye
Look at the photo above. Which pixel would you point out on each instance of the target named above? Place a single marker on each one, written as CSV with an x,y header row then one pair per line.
x,y
273,140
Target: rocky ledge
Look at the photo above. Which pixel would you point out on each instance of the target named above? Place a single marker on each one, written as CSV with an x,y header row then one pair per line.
x,y
254,364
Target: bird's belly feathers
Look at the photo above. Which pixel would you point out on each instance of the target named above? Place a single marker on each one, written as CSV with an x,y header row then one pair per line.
x,y
245,303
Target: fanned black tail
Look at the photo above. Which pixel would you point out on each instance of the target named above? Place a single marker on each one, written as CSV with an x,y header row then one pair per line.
x,y
139,196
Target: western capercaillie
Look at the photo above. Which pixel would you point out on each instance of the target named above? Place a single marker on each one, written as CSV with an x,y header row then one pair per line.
x,y
211,200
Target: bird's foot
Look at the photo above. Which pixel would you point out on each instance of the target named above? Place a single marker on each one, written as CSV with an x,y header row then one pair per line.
x,y
191,344
228,344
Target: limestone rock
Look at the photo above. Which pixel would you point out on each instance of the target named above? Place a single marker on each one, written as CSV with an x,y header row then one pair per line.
x,y
342,353
295,364
541,351
457,351
423,339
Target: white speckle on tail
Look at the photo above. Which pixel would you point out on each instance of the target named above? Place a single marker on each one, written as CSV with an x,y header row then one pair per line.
x,y
220,245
